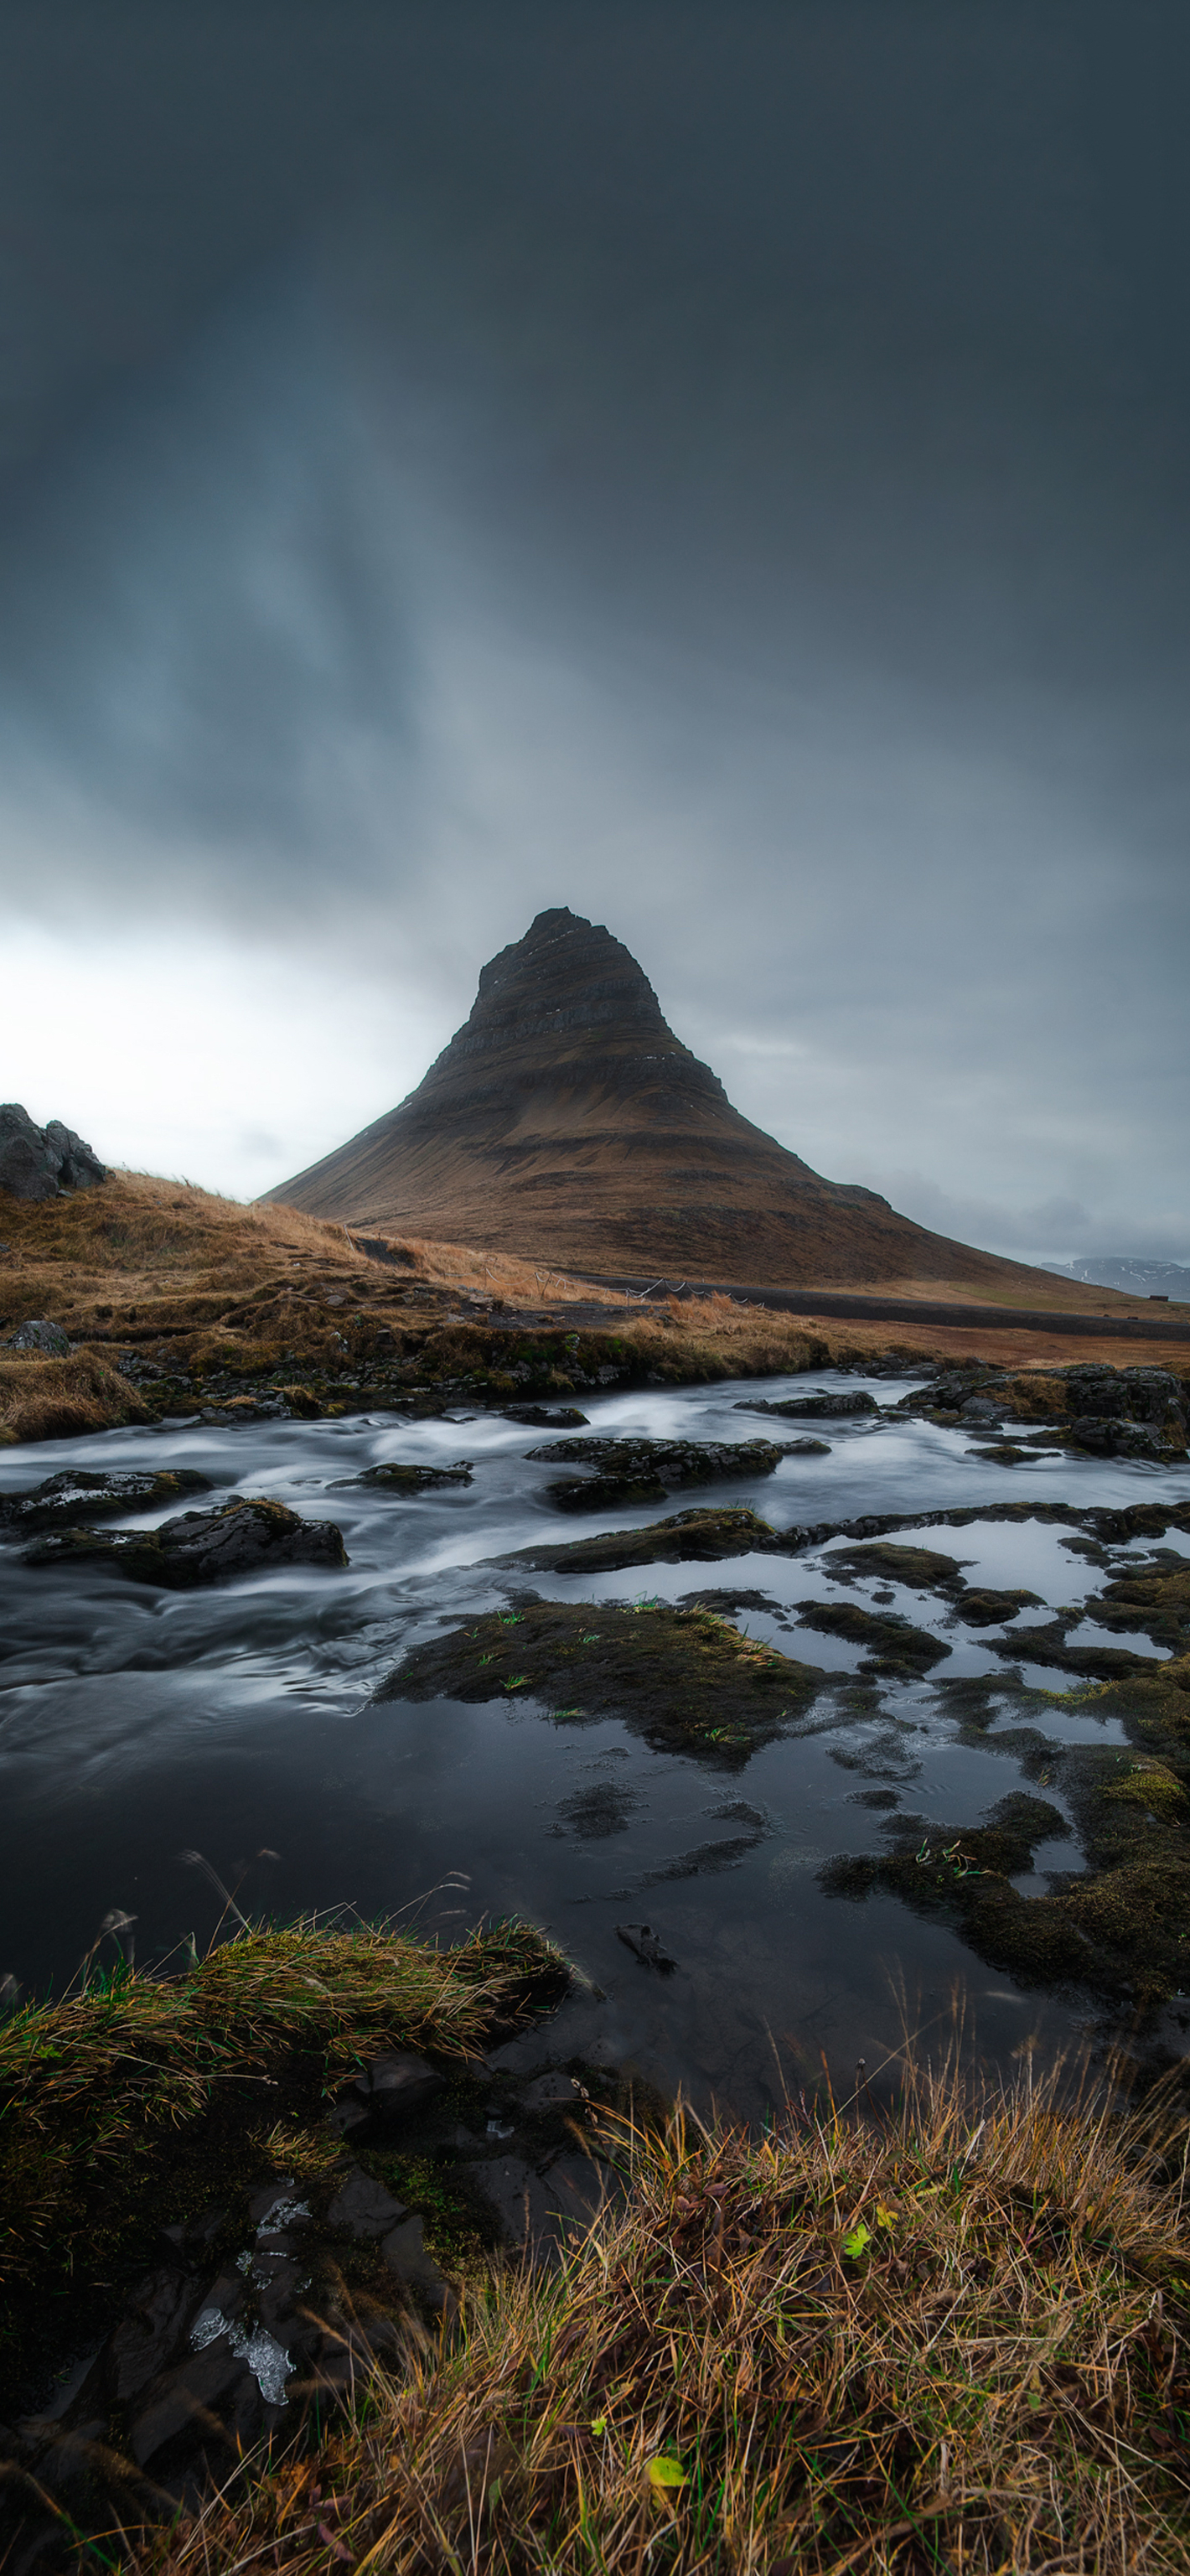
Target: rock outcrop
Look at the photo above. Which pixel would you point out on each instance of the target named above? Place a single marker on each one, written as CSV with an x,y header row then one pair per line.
x,y
40,1162
567,1123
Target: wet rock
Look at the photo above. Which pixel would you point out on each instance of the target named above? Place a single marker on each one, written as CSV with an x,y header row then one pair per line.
x,y
646,1945
150,2329
553,2091
363,2208
536,2211
546,1417
896,1649
42,1162
1047,1645
1112,1435
184,2400
80,1493
1154,1600
405,2254
249,1535
398,2083
644,1471
984,1608
826,1405
42,1336
696,1537
400,1479
920,1569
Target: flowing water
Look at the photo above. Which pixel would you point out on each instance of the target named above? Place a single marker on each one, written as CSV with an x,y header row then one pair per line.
x,y
137,1726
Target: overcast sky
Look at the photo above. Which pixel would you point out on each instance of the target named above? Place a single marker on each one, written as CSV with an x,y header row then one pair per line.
x,y
723,468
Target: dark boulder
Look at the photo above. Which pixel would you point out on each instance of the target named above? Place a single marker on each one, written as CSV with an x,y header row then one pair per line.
x,y
823,1407
39,1334
247,1536
546,1417
61,1501
400,1479
631,1472
41,1162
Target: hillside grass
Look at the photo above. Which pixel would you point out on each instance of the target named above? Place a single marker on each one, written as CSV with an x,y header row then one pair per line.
x,y
215,1301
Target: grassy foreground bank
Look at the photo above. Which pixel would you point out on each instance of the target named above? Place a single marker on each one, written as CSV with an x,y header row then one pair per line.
x,y
138,2100
952,2338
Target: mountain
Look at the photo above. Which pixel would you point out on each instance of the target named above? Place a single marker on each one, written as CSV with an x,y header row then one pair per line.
x,y
567,1123
1132,1276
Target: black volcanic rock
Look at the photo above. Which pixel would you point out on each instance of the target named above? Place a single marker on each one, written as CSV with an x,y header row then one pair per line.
x,y
41,1162
566,1122
249,1535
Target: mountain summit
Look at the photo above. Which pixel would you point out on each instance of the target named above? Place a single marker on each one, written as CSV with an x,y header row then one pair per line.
x,y
566,1122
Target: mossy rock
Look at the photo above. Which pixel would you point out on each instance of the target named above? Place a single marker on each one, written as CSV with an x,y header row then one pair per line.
x,y
1155,1602
699,1537
248,1535
683,1679
920,1569
896,1649
983,1608
1047,1645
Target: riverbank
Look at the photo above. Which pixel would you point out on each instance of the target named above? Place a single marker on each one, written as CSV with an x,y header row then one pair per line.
x,y
950,2336
173,1302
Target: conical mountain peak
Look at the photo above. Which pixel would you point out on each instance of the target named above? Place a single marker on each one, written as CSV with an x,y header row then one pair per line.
x,y
566,1122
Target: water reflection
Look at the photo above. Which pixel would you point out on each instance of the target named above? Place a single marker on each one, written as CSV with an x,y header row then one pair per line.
x,y
134,1725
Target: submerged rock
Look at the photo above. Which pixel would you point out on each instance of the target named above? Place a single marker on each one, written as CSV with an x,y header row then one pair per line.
x,y
61,1501
249,1535
41,1162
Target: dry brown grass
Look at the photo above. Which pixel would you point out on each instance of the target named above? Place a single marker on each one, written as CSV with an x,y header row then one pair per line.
x,y
950,2339
44,1399
202,1283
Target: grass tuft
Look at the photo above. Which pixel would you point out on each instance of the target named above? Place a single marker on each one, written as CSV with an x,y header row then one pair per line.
x,y
948,2338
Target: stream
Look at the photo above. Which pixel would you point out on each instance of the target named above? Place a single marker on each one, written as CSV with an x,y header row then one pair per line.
x,y
139,1726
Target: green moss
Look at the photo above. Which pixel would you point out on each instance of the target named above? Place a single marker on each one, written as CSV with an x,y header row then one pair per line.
x,y
681,1678
694,1536
920,1569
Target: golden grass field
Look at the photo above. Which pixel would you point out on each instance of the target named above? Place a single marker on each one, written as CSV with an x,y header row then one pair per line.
x,y
193,1283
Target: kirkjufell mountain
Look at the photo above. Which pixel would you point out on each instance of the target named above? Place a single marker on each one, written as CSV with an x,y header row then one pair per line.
x,y
566,1122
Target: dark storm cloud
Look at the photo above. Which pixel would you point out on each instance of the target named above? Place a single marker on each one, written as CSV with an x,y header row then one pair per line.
x,y
455,460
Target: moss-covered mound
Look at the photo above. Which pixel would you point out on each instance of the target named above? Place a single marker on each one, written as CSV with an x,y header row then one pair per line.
x,y
686,1537
895,1648
1120,1927
683,1679
143,2099
921,1569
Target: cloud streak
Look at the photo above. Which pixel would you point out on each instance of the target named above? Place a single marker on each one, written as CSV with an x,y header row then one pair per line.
x,y
726,478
